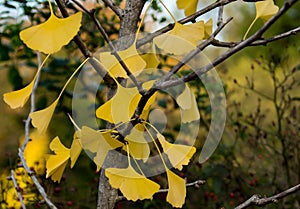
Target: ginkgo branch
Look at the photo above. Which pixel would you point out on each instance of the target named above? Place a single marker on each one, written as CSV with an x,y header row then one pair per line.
x,y
27,139
294,31
118,11
17,188
258,201
256,36
187,19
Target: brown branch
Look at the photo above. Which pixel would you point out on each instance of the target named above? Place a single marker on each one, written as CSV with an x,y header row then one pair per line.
x,y
291,32
118,11
256,200
187,19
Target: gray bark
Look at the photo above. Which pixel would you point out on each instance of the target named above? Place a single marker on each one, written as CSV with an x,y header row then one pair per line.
x,y
107,196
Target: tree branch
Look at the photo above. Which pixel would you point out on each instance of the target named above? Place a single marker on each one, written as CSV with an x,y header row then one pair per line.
x,y
118,11
256,200
17,188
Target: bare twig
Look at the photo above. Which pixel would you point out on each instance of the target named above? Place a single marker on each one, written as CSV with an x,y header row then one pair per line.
x,y
27,139
17,188
118,11
291,32
220,15
256,200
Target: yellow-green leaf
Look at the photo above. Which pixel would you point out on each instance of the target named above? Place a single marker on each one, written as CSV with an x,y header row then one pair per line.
x,y
208,29
177,190
98,143
186,38
129,56
178,154
189,6
265,9
75,148
18,98
133,185
56,163
50,36
42,118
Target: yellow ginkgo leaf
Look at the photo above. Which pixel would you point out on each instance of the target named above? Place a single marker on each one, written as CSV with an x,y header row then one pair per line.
x,y
151,60
133,185
137,144
189,6
118,108
50,36
177,190
56,163
75,149
188,104
42,118
208,29
265,9
178,154
130,57
186,38
18,98
96,142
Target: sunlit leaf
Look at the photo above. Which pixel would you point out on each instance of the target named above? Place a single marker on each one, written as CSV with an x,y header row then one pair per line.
x,y
18,98
99,143
177,190
208,29
50,36
188,104
186,38
56,163
130,57
189,6
178,154
75,149
42,118
133,185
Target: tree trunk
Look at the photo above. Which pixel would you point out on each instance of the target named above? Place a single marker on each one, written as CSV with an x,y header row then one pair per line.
x,y
107,196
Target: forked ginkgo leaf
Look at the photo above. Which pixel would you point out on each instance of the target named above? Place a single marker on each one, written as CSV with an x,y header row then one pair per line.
x,y
75,149
186,38
265,9
98,143
19,97
118,108
42,118
188,104
133,185
130,57
137,144
50,36
178,154
189,6
56,163
177,190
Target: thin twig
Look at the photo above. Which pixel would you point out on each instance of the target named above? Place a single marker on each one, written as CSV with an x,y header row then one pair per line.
x,y
256,200
220,15
17,188
118,11
27,139
291,32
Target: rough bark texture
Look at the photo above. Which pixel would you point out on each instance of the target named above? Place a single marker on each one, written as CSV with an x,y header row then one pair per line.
x,y
107,195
